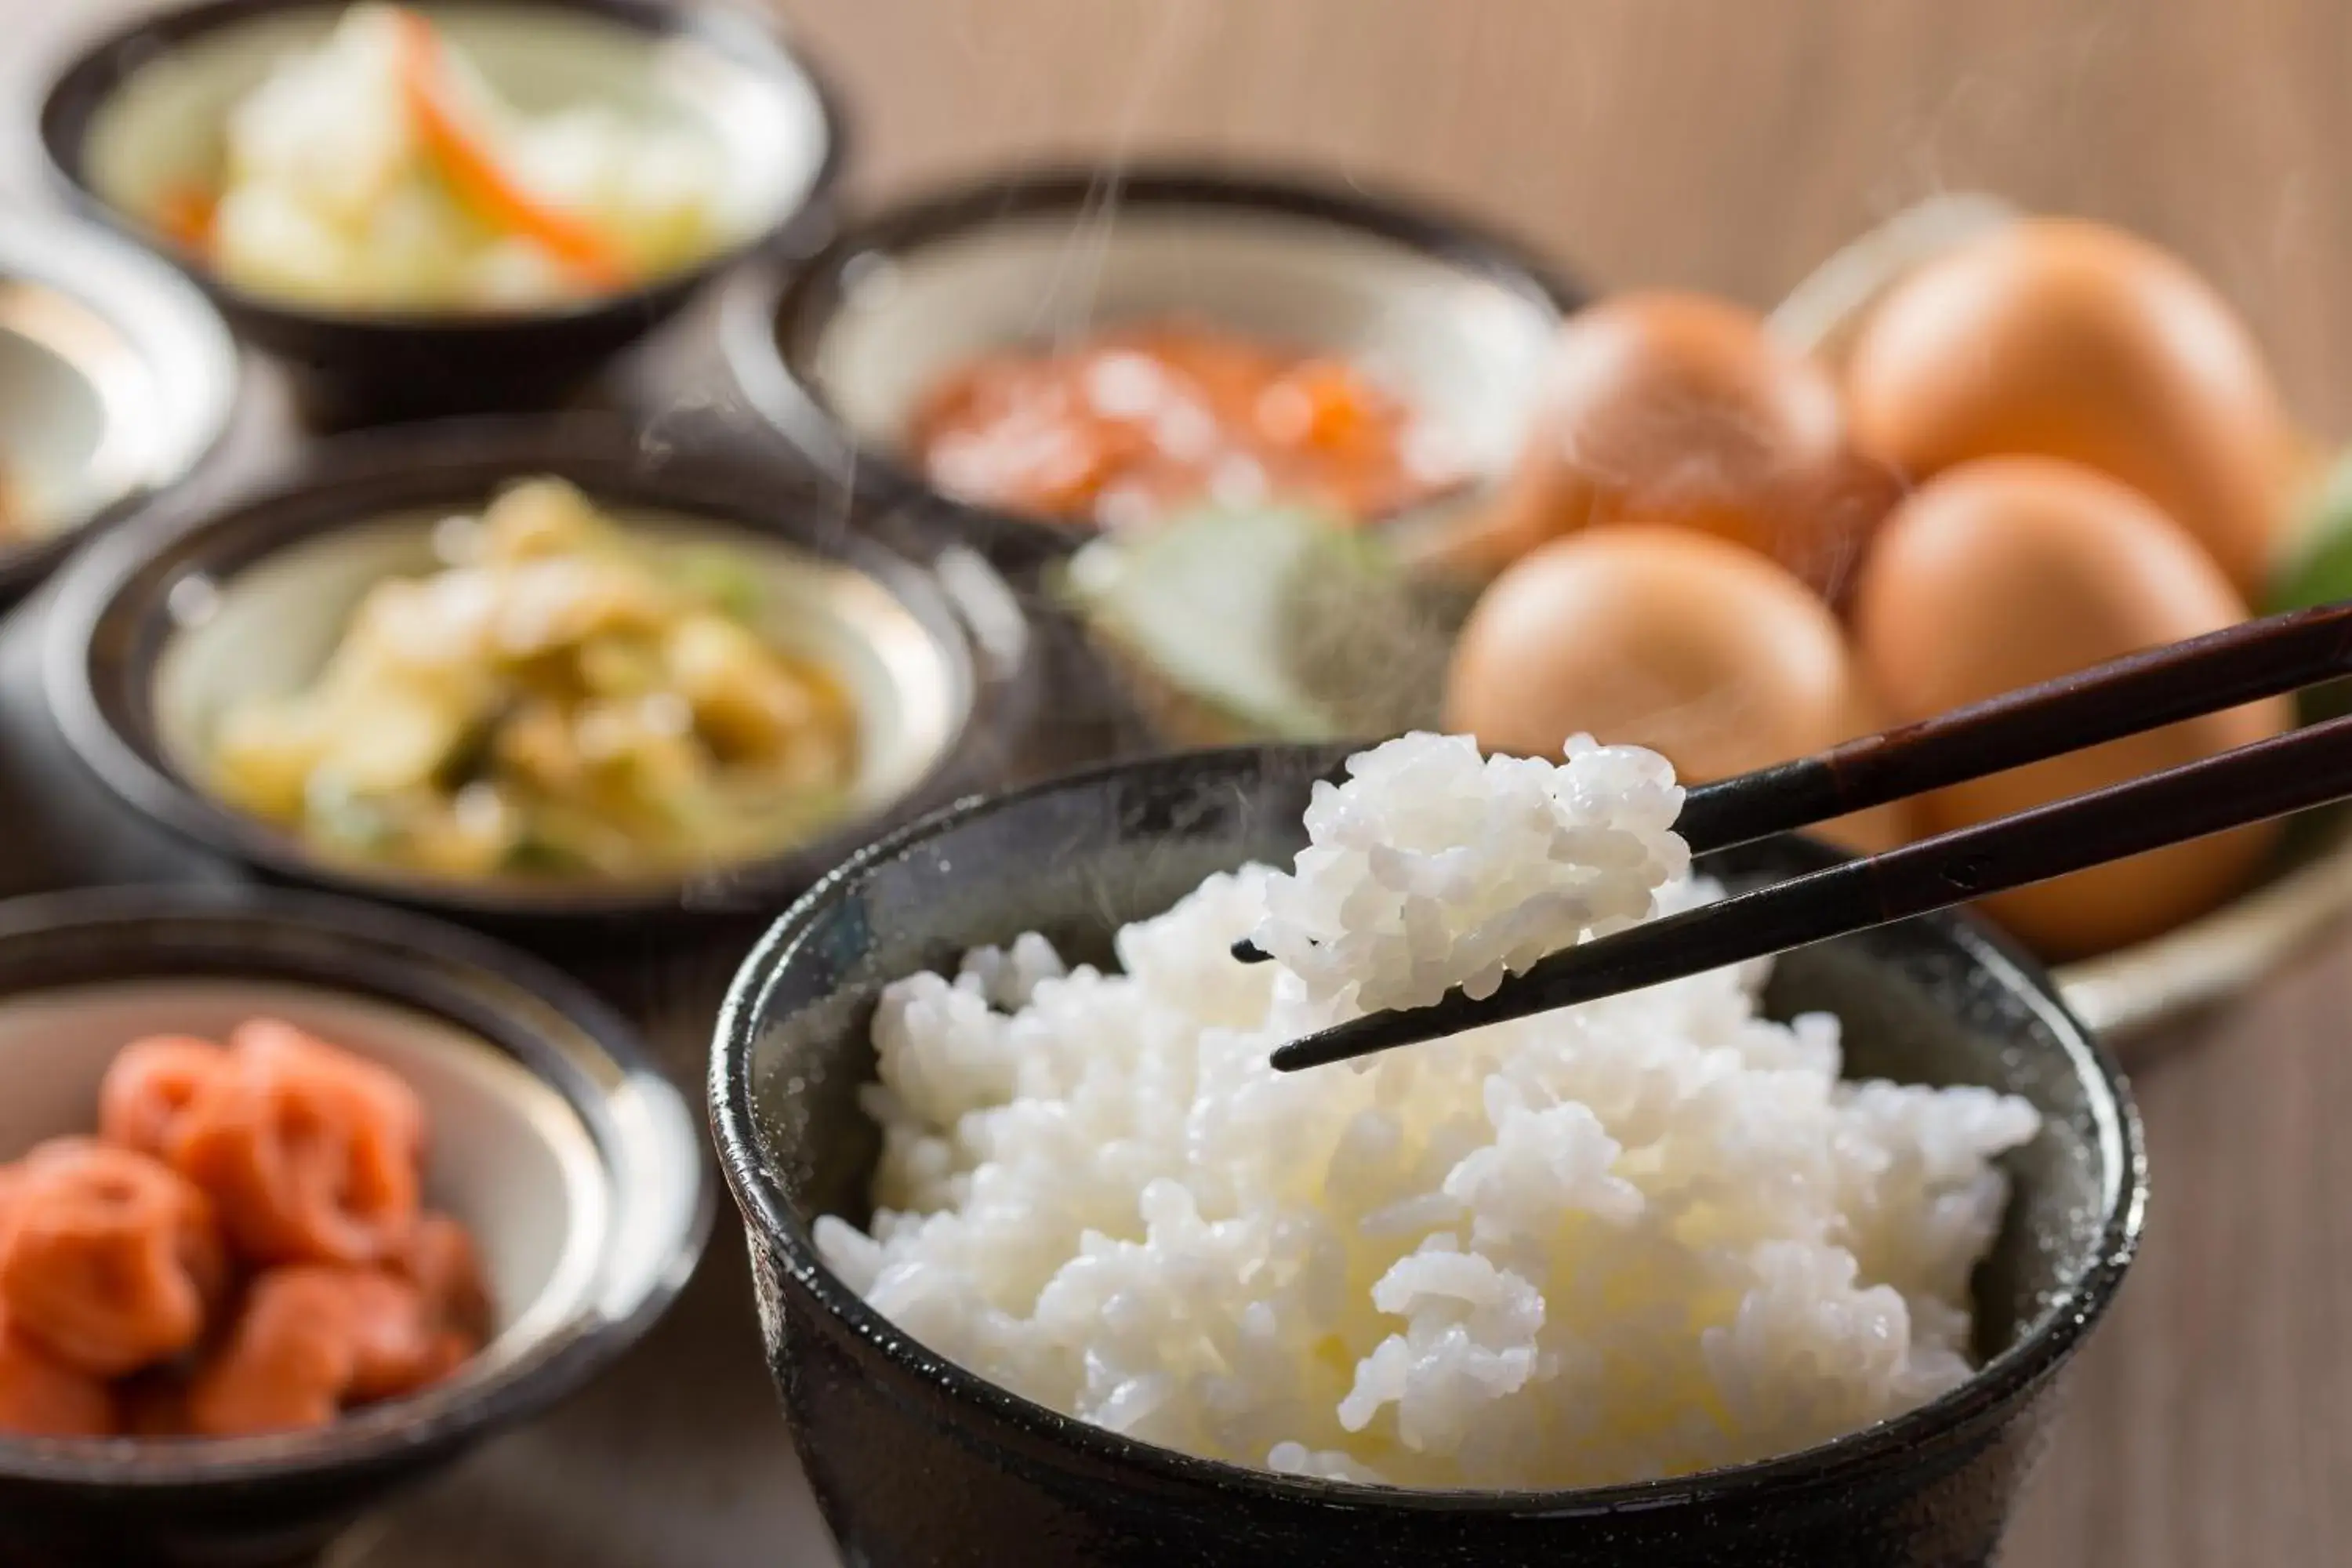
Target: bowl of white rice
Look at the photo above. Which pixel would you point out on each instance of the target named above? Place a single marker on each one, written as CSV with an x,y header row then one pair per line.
x,y
1775,1265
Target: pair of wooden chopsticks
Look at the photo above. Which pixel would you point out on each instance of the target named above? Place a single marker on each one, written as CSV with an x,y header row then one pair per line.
x,y
2306,767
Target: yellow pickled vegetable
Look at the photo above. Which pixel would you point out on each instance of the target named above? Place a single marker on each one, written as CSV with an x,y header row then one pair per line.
x,y
560,699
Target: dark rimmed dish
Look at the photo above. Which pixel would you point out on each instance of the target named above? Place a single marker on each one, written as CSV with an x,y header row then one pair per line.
x,y
914,1458
353,367
579,1167
117,379
148,637
834,357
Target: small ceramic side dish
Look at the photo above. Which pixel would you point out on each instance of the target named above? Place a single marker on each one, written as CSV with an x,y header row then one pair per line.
x,y
153,639
116,379
912,1457
143,113
1454,320
576,1165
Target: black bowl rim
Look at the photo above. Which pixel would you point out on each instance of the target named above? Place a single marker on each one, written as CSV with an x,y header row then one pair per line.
x,y
1989,1392
23,565
446,461
770,324
516,1005
82,87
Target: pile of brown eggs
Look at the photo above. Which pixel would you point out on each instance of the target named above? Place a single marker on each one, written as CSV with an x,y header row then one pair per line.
x,y
2050,447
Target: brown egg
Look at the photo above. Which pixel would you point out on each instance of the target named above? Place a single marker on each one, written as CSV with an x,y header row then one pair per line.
x,y
2009,571
1655,636
1678,408
2068,339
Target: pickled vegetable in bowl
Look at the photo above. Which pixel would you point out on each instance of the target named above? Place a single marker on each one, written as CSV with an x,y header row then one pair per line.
x,y
380,169
1130,425
240,1249
561,699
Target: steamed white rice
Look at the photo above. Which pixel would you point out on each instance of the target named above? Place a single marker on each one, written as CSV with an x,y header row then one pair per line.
x,y
1639,1238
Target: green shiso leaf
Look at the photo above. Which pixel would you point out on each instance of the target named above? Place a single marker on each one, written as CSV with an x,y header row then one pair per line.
x,y
2319,570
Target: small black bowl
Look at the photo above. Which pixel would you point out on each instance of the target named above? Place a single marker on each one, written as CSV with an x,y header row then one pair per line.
x,y
149,637
147,103
117,380
834,358
578,1166
916,1460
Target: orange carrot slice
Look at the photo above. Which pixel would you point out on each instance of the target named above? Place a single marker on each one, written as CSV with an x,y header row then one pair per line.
x,y
41,1396
311,1339
306,1157
111,1258
385,1090
149,1086
472,170
441,1262
394,1348
185,214
283,1368
237,1398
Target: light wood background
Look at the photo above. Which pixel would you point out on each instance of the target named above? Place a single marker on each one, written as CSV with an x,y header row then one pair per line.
x,y
1730,144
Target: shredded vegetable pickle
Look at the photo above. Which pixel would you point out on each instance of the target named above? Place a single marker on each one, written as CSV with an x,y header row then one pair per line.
x,y
563,700
380,169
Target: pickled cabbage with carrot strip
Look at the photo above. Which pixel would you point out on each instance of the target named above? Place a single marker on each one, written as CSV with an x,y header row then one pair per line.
x,y
379,169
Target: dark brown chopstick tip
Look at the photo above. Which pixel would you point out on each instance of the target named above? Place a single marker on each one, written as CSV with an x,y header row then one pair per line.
x,y
1321,1048
1383,1030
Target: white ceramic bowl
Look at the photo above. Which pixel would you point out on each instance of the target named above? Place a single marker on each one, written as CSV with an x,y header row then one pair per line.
x,y
116,379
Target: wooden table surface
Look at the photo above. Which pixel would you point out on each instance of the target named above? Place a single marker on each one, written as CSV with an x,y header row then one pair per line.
x,y
1730,144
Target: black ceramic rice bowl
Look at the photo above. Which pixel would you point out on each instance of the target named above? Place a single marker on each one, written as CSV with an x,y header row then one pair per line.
x,y
916,1460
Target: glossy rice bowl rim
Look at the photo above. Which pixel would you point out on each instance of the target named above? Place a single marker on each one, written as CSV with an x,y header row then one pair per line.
x,y
545,1024
456,463
80,93
2040,1346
